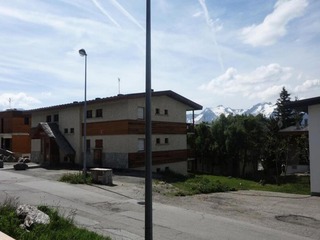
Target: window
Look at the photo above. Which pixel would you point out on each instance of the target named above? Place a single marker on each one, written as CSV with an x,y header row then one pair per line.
x,y
158,140
48,118
166,140
71,130
140,113
141,144
56,118
158,111
99,143
89,114
99,113
66,130
26,120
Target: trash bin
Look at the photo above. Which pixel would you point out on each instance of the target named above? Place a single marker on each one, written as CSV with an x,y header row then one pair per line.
x,y
1,163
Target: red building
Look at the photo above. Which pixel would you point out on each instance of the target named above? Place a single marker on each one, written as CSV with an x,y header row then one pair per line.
x,y
15,131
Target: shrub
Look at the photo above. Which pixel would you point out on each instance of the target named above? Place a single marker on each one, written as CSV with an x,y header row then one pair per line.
x,y
205,185
58,228
76,178
200,184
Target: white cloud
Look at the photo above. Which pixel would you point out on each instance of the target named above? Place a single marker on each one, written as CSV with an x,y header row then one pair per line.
x,y
17,100
307,85
60,23
42,39
273,72
263,82
265,94
274,25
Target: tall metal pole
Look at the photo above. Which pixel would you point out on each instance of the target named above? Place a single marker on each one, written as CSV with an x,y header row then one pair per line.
x,y
83,53
148,157
85,120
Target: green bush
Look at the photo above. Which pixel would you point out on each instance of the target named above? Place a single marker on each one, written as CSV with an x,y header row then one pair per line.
x,y
76,178
58,228
210,184
200,184
204,185
8,219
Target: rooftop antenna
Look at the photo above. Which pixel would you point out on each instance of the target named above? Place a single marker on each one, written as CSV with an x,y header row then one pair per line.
x,y
118,85
9,103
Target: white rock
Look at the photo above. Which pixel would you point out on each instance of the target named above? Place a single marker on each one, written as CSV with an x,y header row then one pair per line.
x,y
32,215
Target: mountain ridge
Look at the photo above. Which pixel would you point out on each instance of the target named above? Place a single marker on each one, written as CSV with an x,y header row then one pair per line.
x,y
210,114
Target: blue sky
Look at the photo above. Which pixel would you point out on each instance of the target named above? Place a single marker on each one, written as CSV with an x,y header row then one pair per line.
x,y
231,52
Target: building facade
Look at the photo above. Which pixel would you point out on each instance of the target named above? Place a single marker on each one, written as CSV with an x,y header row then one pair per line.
x,y
14,131
115,132
312,107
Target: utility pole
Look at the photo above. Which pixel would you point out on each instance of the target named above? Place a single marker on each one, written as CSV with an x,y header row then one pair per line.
x,y
148,156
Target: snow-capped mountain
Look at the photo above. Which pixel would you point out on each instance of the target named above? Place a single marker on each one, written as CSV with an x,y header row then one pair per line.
x,y
207,115
211,114
264,108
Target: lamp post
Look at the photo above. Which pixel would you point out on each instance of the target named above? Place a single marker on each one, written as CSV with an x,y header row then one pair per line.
x,y
148,156
83,53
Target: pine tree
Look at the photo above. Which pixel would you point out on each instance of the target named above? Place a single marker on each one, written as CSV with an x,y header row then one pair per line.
x,y
284,115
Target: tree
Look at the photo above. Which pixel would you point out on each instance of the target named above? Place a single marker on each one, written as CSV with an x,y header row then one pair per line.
x,y
256,134
303,149
238,140
218,129
203,142
285,116
275,152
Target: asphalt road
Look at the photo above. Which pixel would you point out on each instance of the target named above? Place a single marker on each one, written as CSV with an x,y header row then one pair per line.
x,y
118,211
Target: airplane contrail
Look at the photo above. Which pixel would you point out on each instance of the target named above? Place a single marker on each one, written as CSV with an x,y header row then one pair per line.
x,y
211,26
126,13
104,12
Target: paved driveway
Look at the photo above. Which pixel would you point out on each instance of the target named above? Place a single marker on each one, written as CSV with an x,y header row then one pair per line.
x,y
118,211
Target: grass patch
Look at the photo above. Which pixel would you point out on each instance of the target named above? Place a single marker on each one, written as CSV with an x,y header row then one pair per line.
x,y
209,184
289,184
201,184
59,227
76,178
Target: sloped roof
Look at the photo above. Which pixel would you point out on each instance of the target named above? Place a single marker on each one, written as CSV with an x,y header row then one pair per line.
x,y
190,104
294,130
302,105
52,131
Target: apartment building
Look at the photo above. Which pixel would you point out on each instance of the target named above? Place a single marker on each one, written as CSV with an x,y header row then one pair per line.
x,y
115,132
14,131
312,107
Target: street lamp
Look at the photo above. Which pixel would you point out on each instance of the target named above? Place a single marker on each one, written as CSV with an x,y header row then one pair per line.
x,y
83,53
148,135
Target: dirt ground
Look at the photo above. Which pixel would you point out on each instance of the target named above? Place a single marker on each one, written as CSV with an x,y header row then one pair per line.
x,y
298,213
